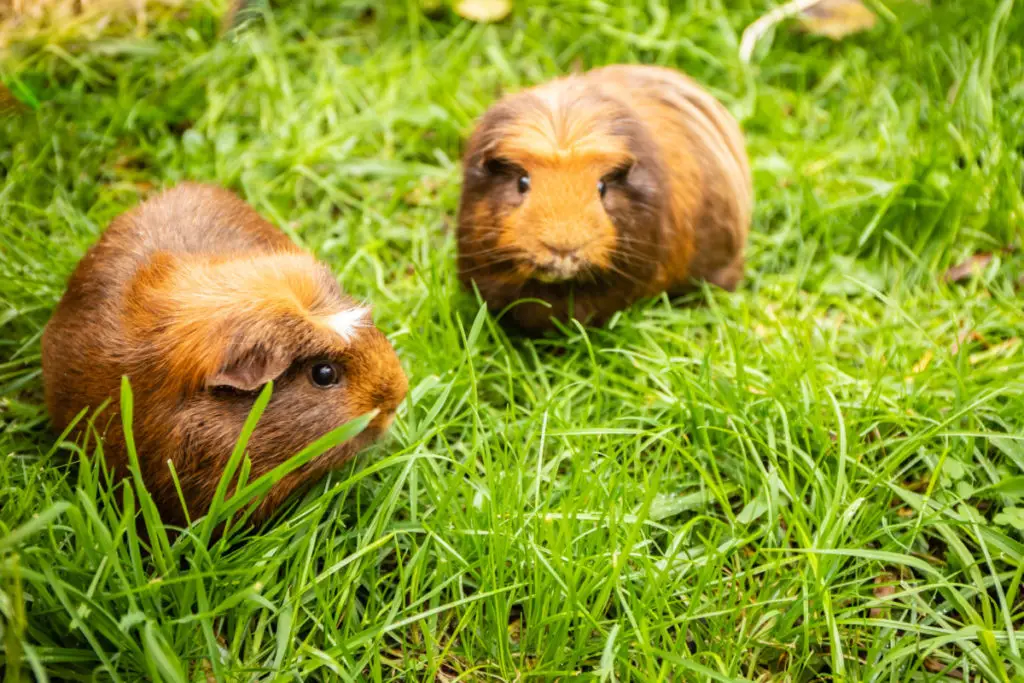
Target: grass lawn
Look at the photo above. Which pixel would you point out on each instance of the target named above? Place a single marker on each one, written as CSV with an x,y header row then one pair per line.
x,y
819,477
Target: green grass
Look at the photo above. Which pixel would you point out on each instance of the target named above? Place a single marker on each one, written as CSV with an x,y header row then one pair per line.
x,y
809,479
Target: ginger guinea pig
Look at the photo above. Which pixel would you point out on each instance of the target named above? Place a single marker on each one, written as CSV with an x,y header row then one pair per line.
x,y
200,302
592,191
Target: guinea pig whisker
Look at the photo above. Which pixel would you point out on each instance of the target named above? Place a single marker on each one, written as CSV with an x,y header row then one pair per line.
x,y
587,274
490,254
634,257
495,255
625,275
634,241
634,254
490,264
491,250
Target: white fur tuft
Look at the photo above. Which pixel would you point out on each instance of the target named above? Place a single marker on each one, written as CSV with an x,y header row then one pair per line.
x,y
348,322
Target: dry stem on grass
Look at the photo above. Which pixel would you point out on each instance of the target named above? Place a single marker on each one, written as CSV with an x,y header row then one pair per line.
x,y
63,21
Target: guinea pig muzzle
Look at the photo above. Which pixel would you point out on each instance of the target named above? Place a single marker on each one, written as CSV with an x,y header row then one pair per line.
x,y
559,264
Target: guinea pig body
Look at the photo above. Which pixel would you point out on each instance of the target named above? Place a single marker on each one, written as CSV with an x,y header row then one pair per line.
x,y
200,302
592,191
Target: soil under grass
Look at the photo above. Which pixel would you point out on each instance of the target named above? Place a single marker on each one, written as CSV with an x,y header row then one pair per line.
x,y
819,477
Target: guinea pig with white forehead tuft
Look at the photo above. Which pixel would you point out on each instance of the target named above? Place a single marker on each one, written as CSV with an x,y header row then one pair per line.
x,y
200,302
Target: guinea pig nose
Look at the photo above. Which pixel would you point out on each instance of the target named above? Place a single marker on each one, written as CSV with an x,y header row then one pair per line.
x,y
561,250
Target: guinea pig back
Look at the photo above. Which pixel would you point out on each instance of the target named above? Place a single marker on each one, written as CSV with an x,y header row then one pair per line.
x,y
200,302
592,191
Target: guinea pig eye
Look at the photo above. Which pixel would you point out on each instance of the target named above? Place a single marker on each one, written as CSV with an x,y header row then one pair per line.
x,y
524,184
617,177
324,374
498,166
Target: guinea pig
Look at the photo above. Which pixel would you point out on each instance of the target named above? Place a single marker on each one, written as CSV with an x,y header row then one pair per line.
x,y
201,302
595,190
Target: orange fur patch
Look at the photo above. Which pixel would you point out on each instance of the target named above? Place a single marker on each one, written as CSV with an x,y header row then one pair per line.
x,y
195,311
566,150
559,133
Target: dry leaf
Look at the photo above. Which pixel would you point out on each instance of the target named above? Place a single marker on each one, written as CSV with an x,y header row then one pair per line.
x,y
884,585
919,485
935,666
483,10
922,364
965,269
930,559
884,588
837,19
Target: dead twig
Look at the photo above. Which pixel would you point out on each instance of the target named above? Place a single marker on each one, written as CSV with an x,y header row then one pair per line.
x,y
756,31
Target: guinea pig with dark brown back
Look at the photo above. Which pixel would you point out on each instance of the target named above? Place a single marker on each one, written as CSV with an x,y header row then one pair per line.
x,y
201,302
595,190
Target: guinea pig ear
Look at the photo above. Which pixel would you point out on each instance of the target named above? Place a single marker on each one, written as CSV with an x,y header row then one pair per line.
x,y
484,142
250,369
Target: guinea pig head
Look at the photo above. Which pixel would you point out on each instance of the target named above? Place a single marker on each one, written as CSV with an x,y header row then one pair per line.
x,y
563,185
216,333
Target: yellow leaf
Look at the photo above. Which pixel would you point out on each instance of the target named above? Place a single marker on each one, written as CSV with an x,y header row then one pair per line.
x,y
837,19
483,10
921,365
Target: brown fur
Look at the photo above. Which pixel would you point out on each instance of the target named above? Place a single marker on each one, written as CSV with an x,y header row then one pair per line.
x,y
676,209
200,302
